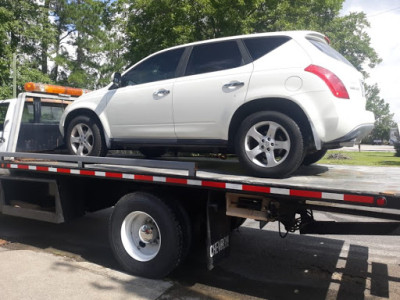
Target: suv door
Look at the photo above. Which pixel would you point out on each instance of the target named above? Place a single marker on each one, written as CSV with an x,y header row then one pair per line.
x,y
142,106
215,84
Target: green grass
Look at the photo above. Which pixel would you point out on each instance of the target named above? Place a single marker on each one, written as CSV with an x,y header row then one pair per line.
x,y
383,159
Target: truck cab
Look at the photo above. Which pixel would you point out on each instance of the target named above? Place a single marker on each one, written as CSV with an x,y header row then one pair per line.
x,y
29,123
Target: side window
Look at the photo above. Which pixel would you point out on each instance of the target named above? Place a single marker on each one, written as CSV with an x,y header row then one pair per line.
x,y
159,67
214,57
3,113
259,46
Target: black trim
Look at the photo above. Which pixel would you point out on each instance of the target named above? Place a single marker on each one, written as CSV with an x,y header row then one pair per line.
x,y
117,143
181,69
245,52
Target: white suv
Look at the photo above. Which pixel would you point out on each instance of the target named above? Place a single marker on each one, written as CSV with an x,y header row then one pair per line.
x,y
277,100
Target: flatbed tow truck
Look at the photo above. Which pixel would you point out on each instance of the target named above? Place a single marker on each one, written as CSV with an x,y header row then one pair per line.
x,y
164,208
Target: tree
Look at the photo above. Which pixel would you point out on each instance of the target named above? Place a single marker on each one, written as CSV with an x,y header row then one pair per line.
x,y
88,43
350,38
157,24
21,33
383,117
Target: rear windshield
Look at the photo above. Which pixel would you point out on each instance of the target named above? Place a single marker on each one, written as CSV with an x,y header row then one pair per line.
x,y
328,50
259,46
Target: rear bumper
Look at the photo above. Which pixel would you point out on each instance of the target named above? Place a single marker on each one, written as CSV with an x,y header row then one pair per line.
x,y
353,137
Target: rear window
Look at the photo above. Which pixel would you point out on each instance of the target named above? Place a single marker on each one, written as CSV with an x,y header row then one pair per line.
x,y
259,46
51,112
328,50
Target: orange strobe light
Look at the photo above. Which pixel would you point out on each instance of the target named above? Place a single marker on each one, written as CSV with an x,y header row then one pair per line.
x,y
54,89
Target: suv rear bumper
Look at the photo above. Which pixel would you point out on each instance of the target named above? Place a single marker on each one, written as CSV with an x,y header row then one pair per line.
x,y
353,137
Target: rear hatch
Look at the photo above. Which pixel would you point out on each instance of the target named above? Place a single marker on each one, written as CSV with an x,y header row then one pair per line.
x,y
324,55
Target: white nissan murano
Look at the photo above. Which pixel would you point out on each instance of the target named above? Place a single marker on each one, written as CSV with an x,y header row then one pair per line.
x,y
276,100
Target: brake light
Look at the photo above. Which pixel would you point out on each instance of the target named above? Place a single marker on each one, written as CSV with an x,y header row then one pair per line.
x,y
332,81
54,89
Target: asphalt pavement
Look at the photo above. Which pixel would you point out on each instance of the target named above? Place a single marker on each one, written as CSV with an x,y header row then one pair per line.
x,y
41,260
74,261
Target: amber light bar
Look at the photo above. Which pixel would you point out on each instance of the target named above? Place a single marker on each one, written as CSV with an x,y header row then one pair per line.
x,y
54,89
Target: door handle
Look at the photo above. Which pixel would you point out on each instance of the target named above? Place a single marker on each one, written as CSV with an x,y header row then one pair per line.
x,y
233,85
161,93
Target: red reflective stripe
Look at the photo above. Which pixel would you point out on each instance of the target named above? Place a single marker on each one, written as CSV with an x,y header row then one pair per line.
x,y
113,175
86,172
44,169
144,177
213,184
176,180
309,194
220,185
254,188
359,199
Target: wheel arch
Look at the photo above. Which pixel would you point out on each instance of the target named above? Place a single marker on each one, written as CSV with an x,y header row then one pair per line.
x,y
90,113
282,105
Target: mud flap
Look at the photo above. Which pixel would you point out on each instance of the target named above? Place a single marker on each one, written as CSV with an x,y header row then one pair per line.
x,y
218,229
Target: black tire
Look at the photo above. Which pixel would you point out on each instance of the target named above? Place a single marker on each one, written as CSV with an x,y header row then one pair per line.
x,y
284,146
165,244
90,134
152,152
312,158
186,225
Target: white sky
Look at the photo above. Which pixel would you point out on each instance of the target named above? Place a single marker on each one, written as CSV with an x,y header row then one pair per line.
x,y
384,18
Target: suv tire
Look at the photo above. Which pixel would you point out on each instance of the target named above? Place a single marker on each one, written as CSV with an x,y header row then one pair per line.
x,y
312,158
270,144
84,137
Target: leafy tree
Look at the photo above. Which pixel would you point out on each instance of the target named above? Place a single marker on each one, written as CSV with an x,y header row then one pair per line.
x,y
21,33
80,36
89,41
383,117
157,24
349,37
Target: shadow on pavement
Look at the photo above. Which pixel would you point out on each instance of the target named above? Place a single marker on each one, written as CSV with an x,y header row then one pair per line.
x,y
261,263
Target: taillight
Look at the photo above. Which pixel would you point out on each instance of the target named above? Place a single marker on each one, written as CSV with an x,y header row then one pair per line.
x,y
332,81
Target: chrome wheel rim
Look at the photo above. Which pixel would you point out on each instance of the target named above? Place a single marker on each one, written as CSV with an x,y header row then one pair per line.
x,y
140,236
267,144
82,139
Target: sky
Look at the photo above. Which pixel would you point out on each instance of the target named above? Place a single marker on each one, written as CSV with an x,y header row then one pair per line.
x,y
384,18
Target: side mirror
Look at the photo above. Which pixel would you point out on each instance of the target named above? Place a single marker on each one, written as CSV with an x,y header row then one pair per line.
x,y
117,79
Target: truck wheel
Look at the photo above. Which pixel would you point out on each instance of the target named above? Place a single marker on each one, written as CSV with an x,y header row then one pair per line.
x,y
311,158
84,137
270,144
145,235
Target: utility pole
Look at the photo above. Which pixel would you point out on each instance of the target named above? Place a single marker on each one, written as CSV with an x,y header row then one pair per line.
x,y
14,68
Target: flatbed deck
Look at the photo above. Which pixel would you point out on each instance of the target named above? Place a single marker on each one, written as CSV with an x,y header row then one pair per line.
x,y
345,184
